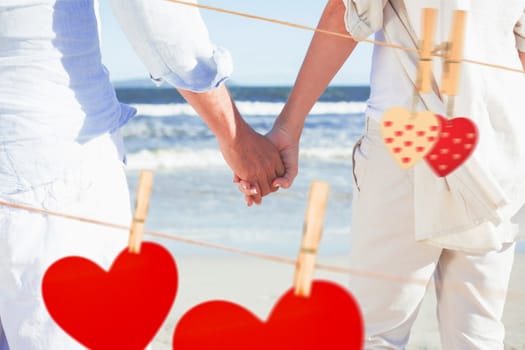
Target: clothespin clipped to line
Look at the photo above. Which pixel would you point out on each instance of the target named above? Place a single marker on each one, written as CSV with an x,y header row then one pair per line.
x,y
452,51
453,56
426,47
411,135
141,211
312,231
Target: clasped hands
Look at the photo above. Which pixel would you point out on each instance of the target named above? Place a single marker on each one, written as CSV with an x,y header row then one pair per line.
x,y
261,163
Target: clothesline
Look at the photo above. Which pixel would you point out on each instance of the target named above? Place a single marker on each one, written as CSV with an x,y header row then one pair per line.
x,y
347,36
499,293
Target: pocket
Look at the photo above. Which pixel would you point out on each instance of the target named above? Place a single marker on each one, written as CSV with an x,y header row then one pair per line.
x,y
46,175
25,166
358,162
10,182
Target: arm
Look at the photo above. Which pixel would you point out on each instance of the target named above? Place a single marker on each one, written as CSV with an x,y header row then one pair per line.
x,y
251,156
325,56
173,43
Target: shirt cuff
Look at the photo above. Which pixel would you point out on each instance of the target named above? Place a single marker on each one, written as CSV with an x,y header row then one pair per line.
x,y
363,18
520,43
208,73
519,33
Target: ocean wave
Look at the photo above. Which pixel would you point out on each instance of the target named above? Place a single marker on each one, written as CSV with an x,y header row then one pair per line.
x,y
249,108
183,158
175,159
334,154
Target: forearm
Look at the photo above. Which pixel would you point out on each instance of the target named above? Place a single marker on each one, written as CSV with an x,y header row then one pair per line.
x,y
325,56
251,156
218,111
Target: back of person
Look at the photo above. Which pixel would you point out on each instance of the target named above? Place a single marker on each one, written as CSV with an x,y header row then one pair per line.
x,y
53,82
55,94
488,96
488,38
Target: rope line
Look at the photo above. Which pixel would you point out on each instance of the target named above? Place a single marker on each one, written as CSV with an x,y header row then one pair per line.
x,y
279,259
346,36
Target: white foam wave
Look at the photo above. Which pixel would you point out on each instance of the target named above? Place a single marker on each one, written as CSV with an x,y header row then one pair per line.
x,y
209,158
327,154
174,158
248,108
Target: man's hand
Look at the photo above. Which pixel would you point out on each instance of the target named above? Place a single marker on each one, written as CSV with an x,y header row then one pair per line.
x,y
254,160
251,156
288,147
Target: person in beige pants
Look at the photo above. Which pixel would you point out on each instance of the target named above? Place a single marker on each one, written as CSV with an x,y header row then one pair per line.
x,y
393,234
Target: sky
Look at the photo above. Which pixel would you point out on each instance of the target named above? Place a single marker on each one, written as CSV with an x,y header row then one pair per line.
x,y
263,53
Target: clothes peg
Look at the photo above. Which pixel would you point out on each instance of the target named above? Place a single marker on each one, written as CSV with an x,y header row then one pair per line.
x,y
424,74
141,211
312,231
453,54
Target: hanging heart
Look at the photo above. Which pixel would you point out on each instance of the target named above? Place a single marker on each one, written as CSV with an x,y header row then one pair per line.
x,y
457,139
329,319
122,308
408,135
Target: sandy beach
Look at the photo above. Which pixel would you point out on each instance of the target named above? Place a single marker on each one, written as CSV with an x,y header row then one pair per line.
x,y
257,284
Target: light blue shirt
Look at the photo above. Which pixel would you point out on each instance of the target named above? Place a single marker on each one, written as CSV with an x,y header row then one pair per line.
x,y
53,83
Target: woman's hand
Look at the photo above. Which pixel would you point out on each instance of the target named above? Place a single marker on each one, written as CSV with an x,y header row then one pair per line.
x,y
288,147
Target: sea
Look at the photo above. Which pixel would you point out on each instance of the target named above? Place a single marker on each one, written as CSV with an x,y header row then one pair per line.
x,y
193,193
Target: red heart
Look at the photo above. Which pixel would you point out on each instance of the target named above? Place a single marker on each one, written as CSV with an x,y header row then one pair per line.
x,y
329,319
457,140
120,309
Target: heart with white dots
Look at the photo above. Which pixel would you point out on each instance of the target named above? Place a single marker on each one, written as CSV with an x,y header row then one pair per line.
x,y
457,139
409,136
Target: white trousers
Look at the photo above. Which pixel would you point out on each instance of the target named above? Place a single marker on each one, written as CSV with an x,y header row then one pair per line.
x,y
93,186
470,289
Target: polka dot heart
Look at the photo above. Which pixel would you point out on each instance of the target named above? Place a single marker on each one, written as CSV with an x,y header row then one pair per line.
x,y
409,136
457,140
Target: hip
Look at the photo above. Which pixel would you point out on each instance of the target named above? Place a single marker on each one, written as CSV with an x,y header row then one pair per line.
x,y
48,174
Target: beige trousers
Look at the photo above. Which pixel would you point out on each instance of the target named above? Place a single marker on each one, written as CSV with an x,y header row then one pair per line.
x,y
470,289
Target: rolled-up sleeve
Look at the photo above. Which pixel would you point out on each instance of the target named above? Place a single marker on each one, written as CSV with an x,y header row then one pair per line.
x,y
363,17
173,43
519,33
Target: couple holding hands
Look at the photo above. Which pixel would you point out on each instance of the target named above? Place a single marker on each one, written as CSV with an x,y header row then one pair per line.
x,y
60,150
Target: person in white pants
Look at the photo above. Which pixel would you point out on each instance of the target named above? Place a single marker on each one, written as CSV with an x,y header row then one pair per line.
x,y
60,147
397,242
470,288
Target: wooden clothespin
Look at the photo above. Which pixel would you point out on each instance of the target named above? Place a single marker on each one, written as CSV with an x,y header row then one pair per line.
x,y
453,54
312,231
141,211
424,72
